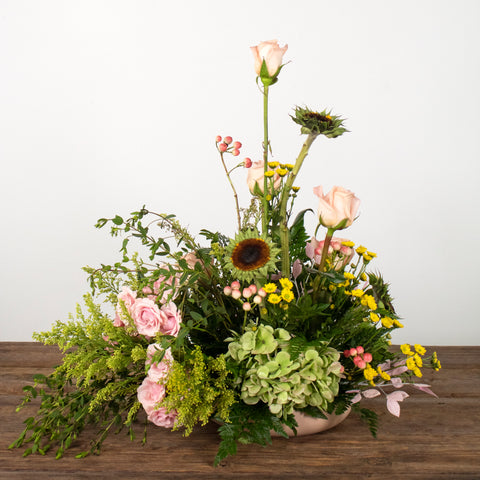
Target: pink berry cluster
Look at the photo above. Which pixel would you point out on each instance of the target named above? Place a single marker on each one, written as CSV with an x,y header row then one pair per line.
x,y
229,146
359,356
235,290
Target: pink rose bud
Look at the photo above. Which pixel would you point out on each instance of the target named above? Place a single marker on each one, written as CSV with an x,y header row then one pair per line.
x,y
228,140
367,357
353,352
236,294
247,162
227,290
223,147
360,350
235,152
235,285
247,307
237,145
218,139
247,292
253,288
257,299
262,293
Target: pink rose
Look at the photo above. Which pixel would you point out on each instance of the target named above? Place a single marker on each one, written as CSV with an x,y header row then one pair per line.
x,y
128,298
272,53
255,176
339,254
338,208
150,394
171,319
161,418
147,317
158,370
164,287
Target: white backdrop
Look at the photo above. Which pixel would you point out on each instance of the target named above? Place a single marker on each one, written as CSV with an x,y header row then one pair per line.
x,y
109,105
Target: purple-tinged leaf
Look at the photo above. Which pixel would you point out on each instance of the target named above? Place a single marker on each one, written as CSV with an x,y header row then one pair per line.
x,y
397,371
392,401
296,268
424,388
397,382
371,393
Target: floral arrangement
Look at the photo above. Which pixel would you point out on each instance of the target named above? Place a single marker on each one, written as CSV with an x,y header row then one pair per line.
x,y
246,331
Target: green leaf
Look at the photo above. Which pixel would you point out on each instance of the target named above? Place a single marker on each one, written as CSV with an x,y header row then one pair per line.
x,y
117,220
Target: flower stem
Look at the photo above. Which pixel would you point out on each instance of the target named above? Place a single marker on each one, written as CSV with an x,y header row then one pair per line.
x,y
284,233
235,196
265,161
326,244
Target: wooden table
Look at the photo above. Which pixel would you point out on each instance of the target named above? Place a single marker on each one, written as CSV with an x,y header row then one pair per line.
x,y
433,438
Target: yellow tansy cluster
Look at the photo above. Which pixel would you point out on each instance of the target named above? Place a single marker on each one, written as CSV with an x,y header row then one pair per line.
x,y
369,301
414,361
285,294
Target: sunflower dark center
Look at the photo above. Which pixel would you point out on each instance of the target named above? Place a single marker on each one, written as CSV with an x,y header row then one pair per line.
x,y
250,254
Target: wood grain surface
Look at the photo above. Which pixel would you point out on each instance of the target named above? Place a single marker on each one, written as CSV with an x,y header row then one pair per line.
x,y
434,438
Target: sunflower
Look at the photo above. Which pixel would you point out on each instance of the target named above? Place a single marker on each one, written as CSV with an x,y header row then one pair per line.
x,y
251,255
319,123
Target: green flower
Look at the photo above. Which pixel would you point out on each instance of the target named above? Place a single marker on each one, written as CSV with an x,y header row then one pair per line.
x,y
250,255
319,123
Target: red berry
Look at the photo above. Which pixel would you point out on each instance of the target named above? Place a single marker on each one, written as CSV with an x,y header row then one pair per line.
x,y
237,145
235,152
247,162
228,140
218,139
223,147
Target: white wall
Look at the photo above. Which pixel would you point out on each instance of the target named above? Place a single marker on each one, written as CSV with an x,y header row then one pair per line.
x,y
109,105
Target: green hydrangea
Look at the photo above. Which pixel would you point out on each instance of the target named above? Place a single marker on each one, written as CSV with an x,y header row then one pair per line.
x,y
283,381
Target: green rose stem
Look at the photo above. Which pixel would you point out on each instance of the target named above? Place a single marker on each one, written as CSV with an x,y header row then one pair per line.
x,y
235,196
326,244
284,233
321,267
265,161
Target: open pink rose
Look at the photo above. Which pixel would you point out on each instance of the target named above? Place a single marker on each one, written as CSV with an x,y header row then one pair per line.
x,y
147,317
158,370
255,175
171,319
338,208
150,394
161,418
271,52
127,297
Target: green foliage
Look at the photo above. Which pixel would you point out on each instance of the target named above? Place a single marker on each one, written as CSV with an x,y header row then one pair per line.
x,y
249,424
198,388
369,417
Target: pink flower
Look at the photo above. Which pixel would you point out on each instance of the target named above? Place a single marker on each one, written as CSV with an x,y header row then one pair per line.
x,y
272,53
147,317
171,319
127,297
338,253
247,162
255,176
164,287
150,394
338,208
158,370
161,418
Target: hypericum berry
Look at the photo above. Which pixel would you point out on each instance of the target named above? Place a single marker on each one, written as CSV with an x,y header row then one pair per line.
x,y
247,162
228,140
247,307
257,299
218,139
223,147
235,152
247,292
237,145
235,285
236,294
227,290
